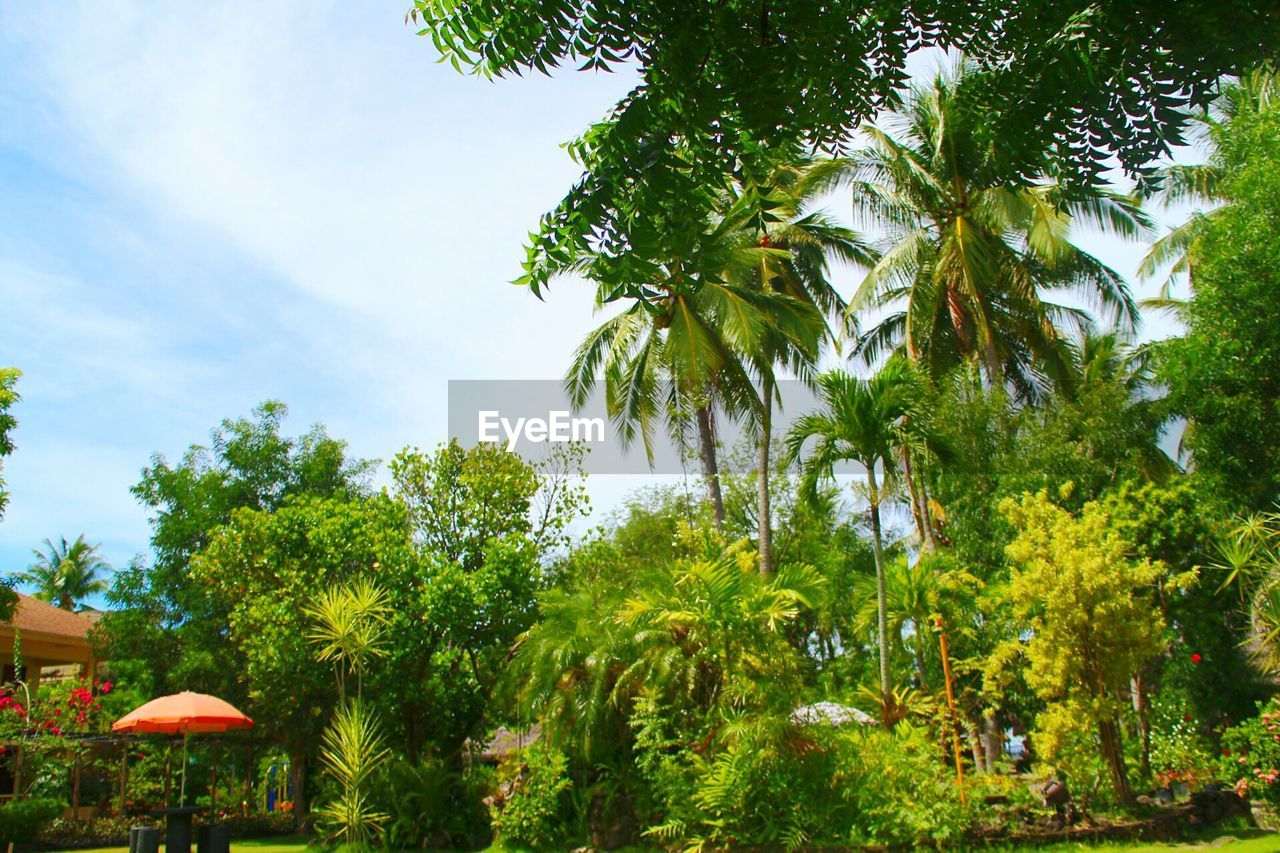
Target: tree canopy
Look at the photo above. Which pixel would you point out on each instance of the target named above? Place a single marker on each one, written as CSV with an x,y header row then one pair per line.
x,y
725,85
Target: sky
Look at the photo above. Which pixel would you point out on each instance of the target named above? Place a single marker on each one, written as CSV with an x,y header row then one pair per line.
x,y
204,206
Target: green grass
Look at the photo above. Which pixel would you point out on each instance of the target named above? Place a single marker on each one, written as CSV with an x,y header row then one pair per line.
x,y
260,845
1240,841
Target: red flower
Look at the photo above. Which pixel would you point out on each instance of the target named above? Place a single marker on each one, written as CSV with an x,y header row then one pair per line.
x,y
106,687
1195,657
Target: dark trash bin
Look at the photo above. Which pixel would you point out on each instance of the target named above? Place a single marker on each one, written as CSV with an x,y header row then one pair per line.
x,y
144,839
214,839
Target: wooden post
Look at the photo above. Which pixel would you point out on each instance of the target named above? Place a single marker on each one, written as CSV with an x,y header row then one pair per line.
x,y
124,774
951,705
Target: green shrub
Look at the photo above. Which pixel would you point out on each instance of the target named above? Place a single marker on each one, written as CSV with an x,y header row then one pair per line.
x,y
21,820
529,806
765,781
432,806
900,793
1252,754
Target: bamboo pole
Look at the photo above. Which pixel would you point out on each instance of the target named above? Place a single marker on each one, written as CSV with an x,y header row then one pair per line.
x,y
951,705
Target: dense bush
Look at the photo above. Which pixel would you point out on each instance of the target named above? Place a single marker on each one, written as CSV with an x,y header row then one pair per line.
x,y
529,807
430,805
21,820
1252,758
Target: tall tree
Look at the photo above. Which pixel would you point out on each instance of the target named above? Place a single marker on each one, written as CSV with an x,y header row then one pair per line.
x,y
749,296
9,397
973,248
738,81
863,422
67,573
160,614
1200,184
1088,606
1222,375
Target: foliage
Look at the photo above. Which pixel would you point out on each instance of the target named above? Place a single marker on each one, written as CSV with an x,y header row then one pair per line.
x,y
1251,754
1085,604
430,804
160,613
459,501
1222,374
723,87
974,249
529,806
23,819
68,573
351,751
9,398
1180,752
868,422
780,785
349,625
265,569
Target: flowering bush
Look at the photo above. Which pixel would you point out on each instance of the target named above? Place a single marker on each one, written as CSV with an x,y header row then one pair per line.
x,y
40,725
1252,755
1179,750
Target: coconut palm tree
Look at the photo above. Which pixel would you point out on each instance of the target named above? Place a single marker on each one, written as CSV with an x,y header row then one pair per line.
x,y
788,221
713,329
863,421
1199,183
66,574
972,250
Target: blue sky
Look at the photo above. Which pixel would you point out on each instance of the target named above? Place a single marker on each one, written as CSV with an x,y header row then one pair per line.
x,y
203,206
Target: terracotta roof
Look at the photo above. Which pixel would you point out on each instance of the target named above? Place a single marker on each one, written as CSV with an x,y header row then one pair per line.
x,y
35,615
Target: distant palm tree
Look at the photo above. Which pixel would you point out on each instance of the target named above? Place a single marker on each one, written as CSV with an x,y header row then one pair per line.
x,y
67,573
863,421
1199,183
972,250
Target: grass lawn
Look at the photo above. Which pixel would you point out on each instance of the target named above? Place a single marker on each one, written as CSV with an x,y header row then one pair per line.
x,y
1237,841
1241,841
262,845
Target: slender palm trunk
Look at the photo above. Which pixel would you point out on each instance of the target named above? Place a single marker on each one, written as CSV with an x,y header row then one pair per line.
x,y
710,467
882,610
765,516
919,503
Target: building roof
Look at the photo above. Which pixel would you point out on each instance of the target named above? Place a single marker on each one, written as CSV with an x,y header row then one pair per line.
x,y
32,614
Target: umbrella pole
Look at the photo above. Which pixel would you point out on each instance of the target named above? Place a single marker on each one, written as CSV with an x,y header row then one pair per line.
x,y
182,791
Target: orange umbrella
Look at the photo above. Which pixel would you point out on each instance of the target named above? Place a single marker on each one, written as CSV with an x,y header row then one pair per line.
x,y
183,713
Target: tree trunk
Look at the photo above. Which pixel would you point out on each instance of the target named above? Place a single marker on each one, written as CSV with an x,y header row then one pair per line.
x,y
298,775
921,673
1113,753
919,504
710,467
992,742
975,746
877,549
1137,687
765,518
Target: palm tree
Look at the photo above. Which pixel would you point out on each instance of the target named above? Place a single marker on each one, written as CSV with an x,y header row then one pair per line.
x,y
916,593
972,249
810,240
1199,183
864,421
67,573
717,324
